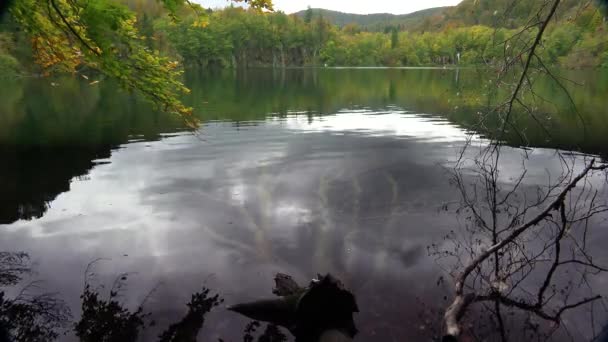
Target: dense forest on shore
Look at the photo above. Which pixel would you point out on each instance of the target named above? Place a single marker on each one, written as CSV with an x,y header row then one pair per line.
x,y
468,34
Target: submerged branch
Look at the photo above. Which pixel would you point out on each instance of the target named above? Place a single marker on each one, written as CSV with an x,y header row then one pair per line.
x,y
461,301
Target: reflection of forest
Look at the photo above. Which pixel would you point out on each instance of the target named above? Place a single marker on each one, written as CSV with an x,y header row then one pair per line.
x,y
32,177
51,132
455,94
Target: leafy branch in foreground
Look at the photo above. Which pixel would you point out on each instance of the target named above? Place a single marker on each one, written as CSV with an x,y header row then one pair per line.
x,y
69,35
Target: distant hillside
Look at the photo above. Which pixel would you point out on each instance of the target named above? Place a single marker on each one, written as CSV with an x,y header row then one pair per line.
x,y
376,21
492,13
500,13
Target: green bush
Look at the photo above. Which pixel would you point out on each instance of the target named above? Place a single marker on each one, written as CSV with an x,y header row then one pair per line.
x,y
605,60
9,66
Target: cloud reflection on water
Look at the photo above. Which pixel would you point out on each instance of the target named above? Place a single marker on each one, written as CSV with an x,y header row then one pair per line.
x,y
249,201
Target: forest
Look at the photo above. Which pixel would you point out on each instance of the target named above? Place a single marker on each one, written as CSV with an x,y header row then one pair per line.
x,y
466,35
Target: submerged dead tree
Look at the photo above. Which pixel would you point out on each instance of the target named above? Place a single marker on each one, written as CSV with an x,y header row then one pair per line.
x,y
524,253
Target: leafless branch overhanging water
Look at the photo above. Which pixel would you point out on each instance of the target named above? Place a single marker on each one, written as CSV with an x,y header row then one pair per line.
x,y
519,245
462,300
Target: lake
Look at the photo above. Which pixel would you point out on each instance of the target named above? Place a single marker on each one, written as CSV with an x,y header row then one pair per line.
x,y
300,171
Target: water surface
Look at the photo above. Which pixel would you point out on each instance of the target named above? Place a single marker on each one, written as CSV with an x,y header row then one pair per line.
x,y
297,171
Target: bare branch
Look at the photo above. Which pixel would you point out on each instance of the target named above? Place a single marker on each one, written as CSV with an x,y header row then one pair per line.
x,y
461,300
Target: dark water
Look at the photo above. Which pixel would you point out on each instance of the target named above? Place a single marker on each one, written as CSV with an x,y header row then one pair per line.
x,y
297,171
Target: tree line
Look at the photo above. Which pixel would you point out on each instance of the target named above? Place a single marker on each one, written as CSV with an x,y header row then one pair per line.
x,y
237,37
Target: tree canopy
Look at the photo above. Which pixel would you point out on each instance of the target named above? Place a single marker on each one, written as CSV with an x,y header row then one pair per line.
x,y
103,35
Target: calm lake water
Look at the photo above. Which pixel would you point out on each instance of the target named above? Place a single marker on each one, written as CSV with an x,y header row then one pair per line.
x,y
296,171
